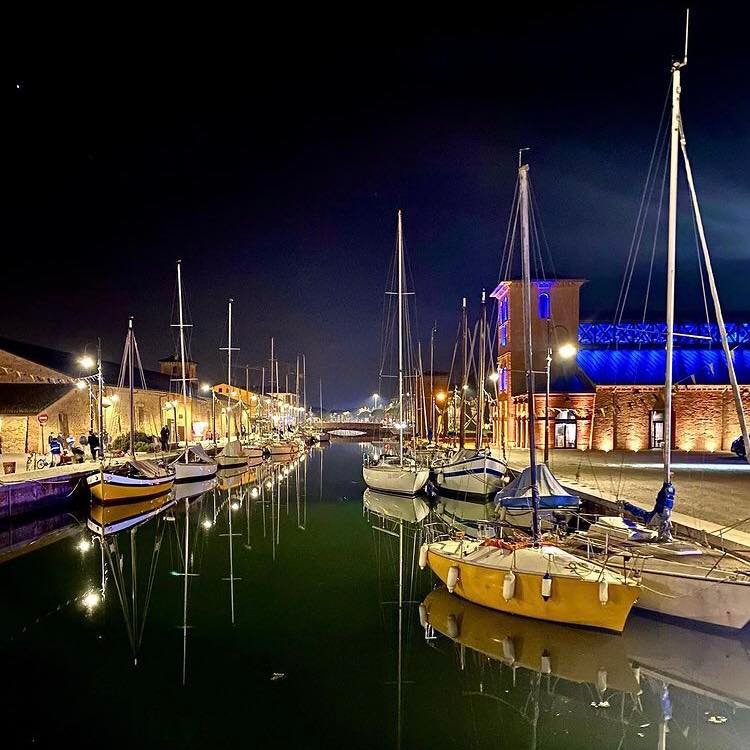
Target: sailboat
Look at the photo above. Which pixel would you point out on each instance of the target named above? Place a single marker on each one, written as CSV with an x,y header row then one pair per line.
x,y
530,578
232,454
134,479
398,474
680,579
472,471
193,464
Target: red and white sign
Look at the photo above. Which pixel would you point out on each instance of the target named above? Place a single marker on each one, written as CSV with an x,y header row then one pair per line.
x,y
43,417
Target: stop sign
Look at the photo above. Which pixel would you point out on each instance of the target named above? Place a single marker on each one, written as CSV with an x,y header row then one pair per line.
x,y
43,417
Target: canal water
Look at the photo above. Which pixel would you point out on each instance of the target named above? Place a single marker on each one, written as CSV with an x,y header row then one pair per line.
x,y
296,626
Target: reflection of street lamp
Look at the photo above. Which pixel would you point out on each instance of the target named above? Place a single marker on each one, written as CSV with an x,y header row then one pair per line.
x,y
567,350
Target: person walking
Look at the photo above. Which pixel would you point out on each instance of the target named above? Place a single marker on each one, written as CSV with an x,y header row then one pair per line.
x,y
165,438
93,445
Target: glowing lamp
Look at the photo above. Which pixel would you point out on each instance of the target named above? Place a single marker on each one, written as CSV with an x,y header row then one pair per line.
x,y
86,362
567,351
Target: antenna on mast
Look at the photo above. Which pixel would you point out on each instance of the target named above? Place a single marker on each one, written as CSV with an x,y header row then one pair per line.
x,y
687,27
520,154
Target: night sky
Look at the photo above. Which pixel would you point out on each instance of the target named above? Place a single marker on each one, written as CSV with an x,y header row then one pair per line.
x,y
271,155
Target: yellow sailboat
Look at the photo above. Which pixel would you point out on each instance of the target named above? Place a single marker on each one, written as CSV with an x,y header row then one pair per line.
x,y
134,479
532,579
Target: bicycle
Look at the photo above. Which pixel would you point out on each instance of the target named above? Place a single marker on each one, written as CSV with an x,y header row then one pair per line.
x,y
37,461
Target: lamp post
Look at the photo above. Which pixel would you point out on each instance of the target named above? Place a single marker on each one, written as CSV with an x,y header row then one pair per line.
x,y
566,351
205,388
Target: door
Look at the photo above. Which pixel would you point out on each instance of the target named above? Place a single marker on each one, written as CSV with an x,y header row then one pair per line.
x,y
566,429
657,429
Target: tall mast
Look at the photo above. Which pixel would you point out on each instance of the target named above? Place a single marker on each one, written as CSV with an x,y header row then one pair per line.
x,y
229,351
100,383
131,354
321,402
304,386
400,342
432,384
271,385
482,365
523,178
182,360
464,376
674,137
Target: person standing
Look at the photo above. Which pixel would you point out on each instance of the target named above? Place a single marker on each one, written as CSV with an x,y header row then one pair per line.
x,y
165,438
55,447
93,445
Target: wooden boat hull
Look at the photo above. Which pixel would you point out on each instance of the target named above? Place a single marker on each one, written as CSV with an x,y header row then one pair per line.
x,y
194,472
573,601
230,462
111,488
399,480
283,449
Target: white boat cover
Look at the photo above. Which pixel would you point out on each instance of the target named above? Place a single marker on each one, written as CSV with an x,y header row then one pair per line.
x,y
551,493
199,452
233,449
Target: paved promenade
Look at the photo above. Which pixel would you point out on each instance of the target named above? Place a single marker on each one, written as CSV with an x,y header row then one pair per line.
x,y
713,489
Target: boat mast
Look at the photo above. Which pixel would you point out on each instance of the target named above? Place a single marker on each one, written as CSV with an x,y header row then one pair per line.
x,y
523,205
400,343
482,365
182,361
131,354
321,403
464,376
229,351
100,383
432,383
271,385
671,263
304,387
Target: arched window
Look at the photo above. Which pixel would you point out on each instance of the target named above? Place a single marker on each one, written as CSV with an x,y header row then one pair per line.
x,y
544,306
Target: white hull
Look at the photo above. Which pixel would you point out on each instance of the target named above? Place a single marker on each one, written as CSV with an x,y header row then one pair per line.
x,y
711,600
401,480
194,472
482,475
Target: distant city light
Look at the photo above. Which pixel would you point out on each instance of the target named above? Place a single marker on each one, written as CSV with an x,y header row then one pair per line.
x,y
494,377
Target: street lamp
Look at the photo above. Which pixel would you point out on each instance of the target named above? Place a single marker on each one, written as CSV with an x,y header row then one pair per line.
x,y
568,350
375,398
205,388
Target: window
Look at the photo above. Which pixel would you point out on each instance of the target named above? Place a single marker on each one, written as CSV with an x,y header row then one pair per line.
x,y
544,306
503,335
657,429
503,378
504,310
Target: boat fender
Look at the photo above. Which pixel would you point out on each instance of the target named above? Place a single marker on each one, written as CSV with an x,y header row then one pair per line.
x,y
546,586
452,578
509,586
509,650
424,620
603,592
545,666
452,628
601,680
423,556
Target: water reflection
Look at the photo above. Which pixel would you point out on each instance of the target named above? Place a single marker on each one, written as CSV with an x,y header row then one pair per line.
x,y
287,585
657,685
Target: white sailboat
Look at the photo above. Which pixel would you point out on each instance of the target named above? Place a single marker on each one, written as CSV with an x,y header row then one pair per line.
x,y
398,473
472,471
233,454
193,464
680,579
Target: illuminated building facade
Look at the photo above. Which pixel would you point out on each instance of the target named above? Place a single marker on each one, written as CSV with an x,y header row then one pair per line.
x,y
610,395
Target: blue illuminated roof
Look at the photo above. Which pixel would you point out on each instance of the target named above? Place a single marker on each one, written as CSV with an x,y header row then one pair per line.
x,y
646,366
